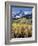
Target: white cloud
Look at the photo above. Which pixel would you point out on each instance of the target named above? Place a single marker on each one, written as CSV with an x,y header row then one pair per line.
x,y
17,16
27,12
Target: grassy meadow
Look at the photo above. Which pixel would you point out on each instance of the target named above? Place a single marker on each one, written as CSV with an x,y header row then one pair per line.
x,y
21,28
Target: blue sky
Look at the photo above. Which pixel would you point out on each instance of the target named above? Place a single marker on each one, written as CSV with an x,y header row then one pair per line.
x,y
16,10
